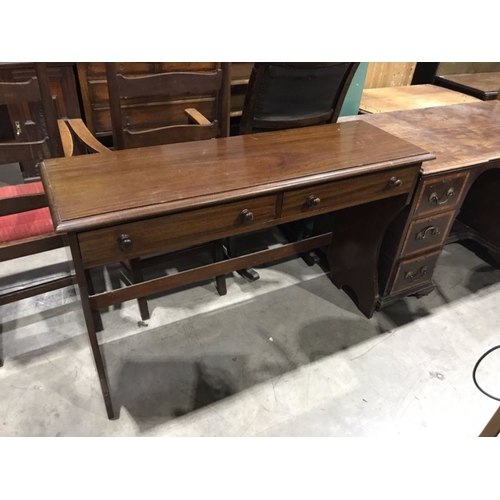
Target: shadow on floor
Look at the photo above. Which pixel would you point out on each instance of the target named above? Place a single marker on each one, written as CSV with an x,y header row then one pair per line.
x,y
197,362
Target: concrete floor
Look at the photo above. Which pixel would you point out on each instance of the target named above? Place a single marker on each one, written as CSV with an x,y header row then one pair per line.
x,y
289,355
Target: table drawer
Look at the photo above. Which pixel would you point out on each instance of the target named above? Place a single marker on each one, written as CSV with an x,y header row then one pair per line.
x,y
440,193
169,232
348,192
414,272
427,233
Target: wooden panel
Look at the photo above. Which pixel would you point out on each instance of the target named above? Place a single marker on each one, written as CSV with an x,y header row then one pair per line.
x,y
424,234
93,84
389,74
440,193
98,69
348,192
415,272
175,231
154,115
389,99
204,172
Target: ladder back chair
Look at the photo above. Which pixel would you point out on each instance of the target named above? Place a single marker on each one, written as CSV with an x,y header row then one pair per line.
x,y
129,93
187,125
26,226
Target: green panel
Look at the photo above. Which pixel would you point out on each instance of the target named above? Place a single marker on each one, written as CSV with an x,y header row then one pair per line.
x,y
353,97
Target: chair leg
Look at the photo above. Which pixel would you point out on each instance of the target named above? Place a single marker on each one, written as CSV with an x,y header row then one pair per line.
x,y
220,281
249,273
137,277
95,314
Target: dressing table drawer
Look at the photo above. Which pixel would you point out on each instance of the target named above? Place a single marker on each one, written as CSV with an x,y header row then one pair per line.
x,y
344,193
170,232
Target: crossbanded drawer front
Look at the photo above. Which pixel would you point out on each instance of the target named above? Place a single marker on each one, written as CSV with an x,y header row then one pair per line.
x,y
414,272
176,231
427,233
344,193
441,193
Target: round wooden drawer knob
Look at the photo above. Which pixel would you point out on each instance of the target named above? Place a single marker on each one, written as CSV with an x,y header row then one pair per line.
x,y
246,216
395,182
313,201
125,242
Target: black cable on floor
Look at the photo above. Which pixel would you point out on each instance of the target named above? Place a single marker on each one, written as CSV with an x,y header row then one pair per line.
x,y
476,367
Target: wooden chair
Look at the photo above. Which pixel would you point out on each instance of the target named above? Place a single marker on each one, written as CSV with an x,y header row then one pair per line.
x,y
287,95
25,223
190,125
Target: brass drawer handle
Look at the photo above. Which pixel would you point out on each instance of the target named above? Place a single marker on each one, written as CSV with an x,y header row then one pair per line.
x,y
419,274
246,216
434,198
432,230
125,242
313,201
395,182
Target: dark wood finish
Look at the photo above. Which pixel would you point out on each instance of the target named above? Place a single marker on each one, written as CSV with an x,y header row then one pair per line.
x,y
34,90
170,85
25,203
336,195
286,95
48,286
231,186
172,232
484,86
202,273
464,138
84,284
415,271
440,193
22,122
150,112
94,190
428,232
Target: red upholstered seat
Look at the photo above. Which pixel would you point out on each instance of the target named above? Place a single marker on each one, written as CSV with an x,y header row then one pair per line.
x,y
26,224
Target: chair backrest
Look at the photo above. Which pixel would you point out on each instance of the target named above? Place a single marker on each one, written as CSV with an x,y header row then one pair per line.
x,y
172,85
36,90
286,95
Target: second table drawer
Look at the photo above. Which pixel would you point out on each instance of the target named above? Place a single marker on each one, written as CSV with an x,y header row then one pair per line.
x,y
344,193
140,238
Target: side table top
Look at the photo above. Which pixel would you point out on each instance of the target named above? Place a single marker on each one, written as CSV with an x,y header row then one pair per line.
x,y
389,99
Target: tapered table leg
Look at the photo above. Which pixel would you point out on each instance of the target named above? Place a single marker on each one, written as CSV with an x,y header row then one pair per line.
x,y
88,314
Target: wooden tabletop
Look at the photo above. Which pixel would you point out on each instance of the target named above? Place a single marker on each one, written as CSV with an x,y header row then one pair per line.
x,y
460,135
400,98
482,85
103,189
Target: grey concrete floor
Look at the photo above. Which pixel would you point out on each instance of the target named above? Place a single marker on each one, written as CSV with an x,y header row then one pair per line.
x,y
288,355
